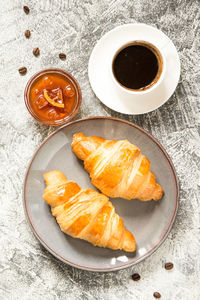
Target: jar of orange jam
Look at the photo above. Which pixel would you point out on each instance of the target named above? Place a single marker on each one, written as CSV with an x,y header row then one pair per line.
x,y
52,97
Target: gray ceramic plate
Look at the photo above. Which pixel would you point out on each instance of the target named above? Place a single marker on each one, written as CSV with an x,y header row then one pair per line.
x,y
140,218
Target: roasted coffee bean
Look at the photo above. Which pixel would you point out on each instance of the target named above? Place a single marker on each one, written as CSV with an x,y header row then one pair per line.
x,y
136,277
27,34
62,56
157,295
26,9
169,266
22,70
36,51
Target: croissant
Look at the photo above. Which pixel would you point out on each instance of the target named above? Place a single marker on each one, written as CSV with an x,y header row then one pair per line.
x,y
117,168
86,214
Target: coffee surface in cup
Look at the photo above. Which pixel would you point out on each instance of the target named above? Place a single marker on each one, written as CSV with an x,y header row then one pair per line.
x,y
136,66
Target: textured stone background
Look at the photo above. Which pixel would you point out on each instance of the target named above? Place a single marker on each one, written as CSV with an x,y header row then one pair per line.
x,y
27,270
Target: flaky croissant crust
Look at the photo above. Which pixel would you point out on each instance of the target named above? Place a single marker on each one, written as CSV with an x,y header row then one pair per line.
x,y
117,168
85,213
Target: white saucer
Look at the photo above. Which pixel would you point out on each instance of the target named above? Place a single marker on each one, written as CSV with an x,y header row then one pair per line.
x,y
100,74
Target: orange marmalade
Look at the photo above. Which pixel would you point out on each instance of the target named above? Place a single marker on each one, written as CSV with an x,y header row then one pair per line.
x,y
54,97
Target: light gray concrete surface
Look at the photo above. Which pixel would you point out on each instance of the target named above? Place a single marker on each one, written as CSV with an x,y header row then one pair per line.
x,y
28,271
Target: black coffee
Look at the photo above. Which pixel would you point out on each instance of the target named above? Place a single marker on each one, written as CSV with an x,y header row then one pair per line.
x,y
136,67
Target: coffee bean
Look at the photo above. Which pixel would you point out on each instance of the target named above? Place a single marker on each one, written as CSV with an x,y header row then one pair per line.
x,y
27,34
157,295
169,266
136,277
62,56
36,51
26,9
22,70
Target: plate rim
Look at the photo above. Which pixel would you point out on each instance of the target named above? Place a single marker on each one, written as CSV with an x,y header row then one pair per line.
x,y
124,265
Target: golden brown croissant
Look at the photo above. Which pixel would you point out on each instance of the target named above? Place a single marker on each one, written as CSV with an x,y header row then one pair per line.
x,y
86,214
117,168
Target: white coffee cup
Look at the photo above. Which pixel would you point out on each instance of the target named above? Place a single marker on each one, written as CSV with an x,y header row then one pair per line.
x,y
157,80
